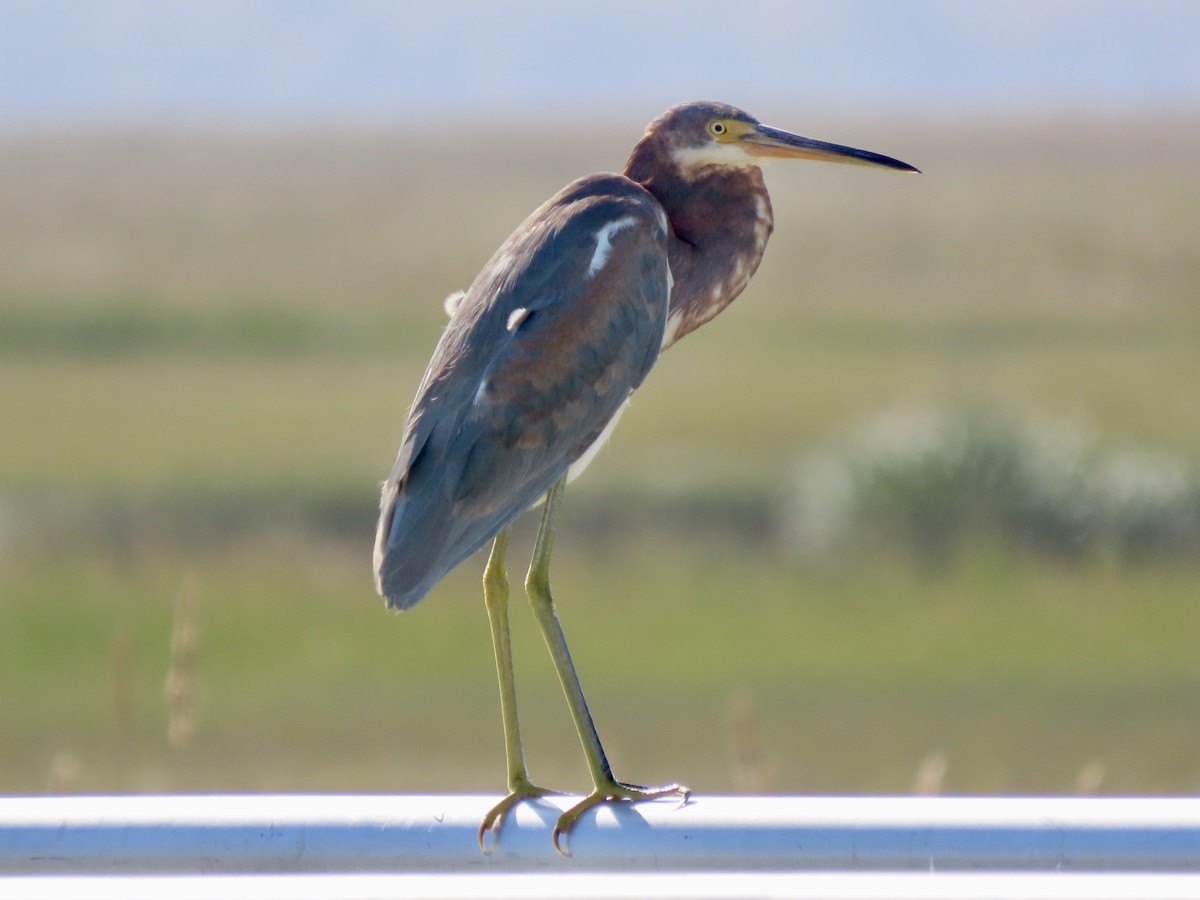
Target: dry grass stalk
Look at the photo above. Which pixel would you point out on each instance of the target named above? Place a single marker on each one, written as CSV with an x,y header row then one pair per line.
x,y
65,773
751,766
181,674
931,773
1090,779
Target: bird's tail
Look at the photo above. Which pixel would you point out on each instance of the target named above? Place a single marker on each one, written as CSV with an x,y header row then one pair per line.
x,y
403,573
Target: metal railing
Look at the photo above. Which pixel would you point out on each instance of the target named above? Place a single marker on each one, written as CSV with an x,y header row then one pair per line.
x,y
712,844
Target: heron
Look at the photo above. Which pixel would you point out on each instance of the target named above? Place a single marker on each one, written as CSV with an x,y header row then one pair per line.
x,y
539,360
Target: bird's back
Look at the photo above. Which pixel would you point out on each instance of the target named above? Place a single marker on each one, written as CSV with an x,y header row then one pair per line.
x,y
544,349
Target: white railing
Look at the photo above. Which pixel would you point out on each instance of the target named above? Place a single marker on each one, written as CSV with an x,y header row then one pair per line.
x,y
333,846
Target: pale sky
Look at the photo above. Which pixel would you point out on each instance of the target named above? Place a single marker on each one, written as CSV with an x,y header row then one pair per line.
x,y
104,61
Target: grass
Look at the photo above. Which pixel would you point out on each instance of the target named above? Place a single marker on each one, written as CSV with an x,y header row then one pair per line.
x,y
302,683
207,345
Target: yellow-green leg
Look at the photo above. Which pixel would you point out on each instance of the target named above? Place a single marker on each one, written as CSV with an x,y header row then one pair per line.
x,y
495,598
537,586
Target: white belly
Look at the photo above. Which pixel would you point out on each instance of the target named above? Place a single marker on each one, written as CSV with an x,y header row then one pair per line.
x,y
589,454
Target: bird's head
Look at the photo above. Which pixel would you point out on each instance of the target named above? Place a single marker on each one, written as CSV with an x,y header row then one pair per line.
x,y
701,134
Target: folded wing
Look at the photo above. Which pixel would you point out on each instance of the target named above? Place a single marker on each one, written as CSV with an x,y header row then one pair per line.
x,y
541,353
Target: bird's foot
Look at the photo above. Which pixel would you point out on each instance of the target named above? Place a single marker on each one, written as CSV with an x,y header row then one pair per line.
x,y
609,792
519,791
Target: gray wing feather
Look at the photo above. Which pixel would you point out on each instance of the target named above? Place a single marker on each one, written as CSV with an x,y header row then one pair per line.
x,y
540,354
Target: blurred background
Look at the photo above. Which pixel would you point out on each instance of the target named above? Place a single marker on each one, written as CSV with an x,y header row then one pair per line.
x,y
919,513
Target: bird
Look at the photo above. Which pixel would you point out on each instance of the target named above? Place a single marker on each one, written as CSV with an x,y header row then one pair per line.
x,y
539,359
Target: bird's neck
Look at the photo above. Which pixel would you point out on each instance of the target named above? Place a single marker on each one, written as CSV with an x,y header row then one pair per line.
x,y
720,221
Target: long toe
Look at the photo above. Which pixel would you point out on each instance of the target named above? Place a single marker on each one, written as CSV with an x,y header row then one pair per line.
x,y
611,792
494,820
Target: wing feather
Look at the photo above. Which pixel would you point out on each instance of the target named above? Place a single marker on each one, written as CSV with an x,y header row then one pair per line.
x,y
557,330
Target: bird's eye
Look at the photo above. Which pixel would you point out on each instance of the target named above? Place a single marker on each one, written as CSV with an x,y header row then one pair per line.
x,y
717,128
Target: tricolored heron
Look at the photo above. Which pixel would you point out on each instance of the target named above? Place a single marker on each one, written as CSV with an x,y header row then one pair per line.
x,y
542,354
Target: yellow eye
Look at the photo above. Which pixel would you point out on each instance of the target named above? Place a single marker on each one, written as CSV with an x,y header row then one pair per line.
x,y
718,128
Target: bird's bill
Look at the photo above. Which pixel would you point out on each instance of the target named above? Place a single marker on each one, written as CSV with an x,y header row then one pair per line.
x,y
766,141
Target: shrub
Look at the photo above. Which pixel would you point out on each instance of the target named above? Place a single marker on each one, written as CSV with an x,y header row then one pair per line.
x,y
931,480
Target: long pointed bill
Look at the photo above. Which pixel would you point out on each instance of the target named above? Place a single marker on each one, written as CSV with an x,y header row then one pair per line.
x,y
771,142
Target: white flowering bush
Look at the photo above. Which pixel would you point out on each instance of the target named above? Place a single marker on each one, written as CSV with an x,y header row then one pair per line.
x,y
931,480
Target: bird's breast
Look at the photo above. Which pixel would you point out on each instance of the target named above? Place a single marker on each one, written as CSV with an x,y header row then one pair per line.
x,y
720,227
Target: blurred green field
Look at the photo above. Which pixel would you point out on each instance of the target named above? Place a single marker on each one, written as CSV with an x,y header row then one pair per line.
x,y
207,345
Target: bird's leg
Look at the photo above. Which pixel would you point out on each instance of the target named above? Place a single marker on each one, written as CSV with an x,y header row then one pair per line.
x,y
495,598
537,586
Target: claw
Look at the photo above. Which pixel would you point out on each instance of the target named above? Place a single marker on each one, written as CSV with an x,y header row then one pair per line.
x,y
494,820
614,791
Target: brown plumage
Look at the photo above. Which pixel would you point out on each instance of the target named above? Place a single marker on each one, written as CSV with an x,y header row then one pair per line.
x,y
720,215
